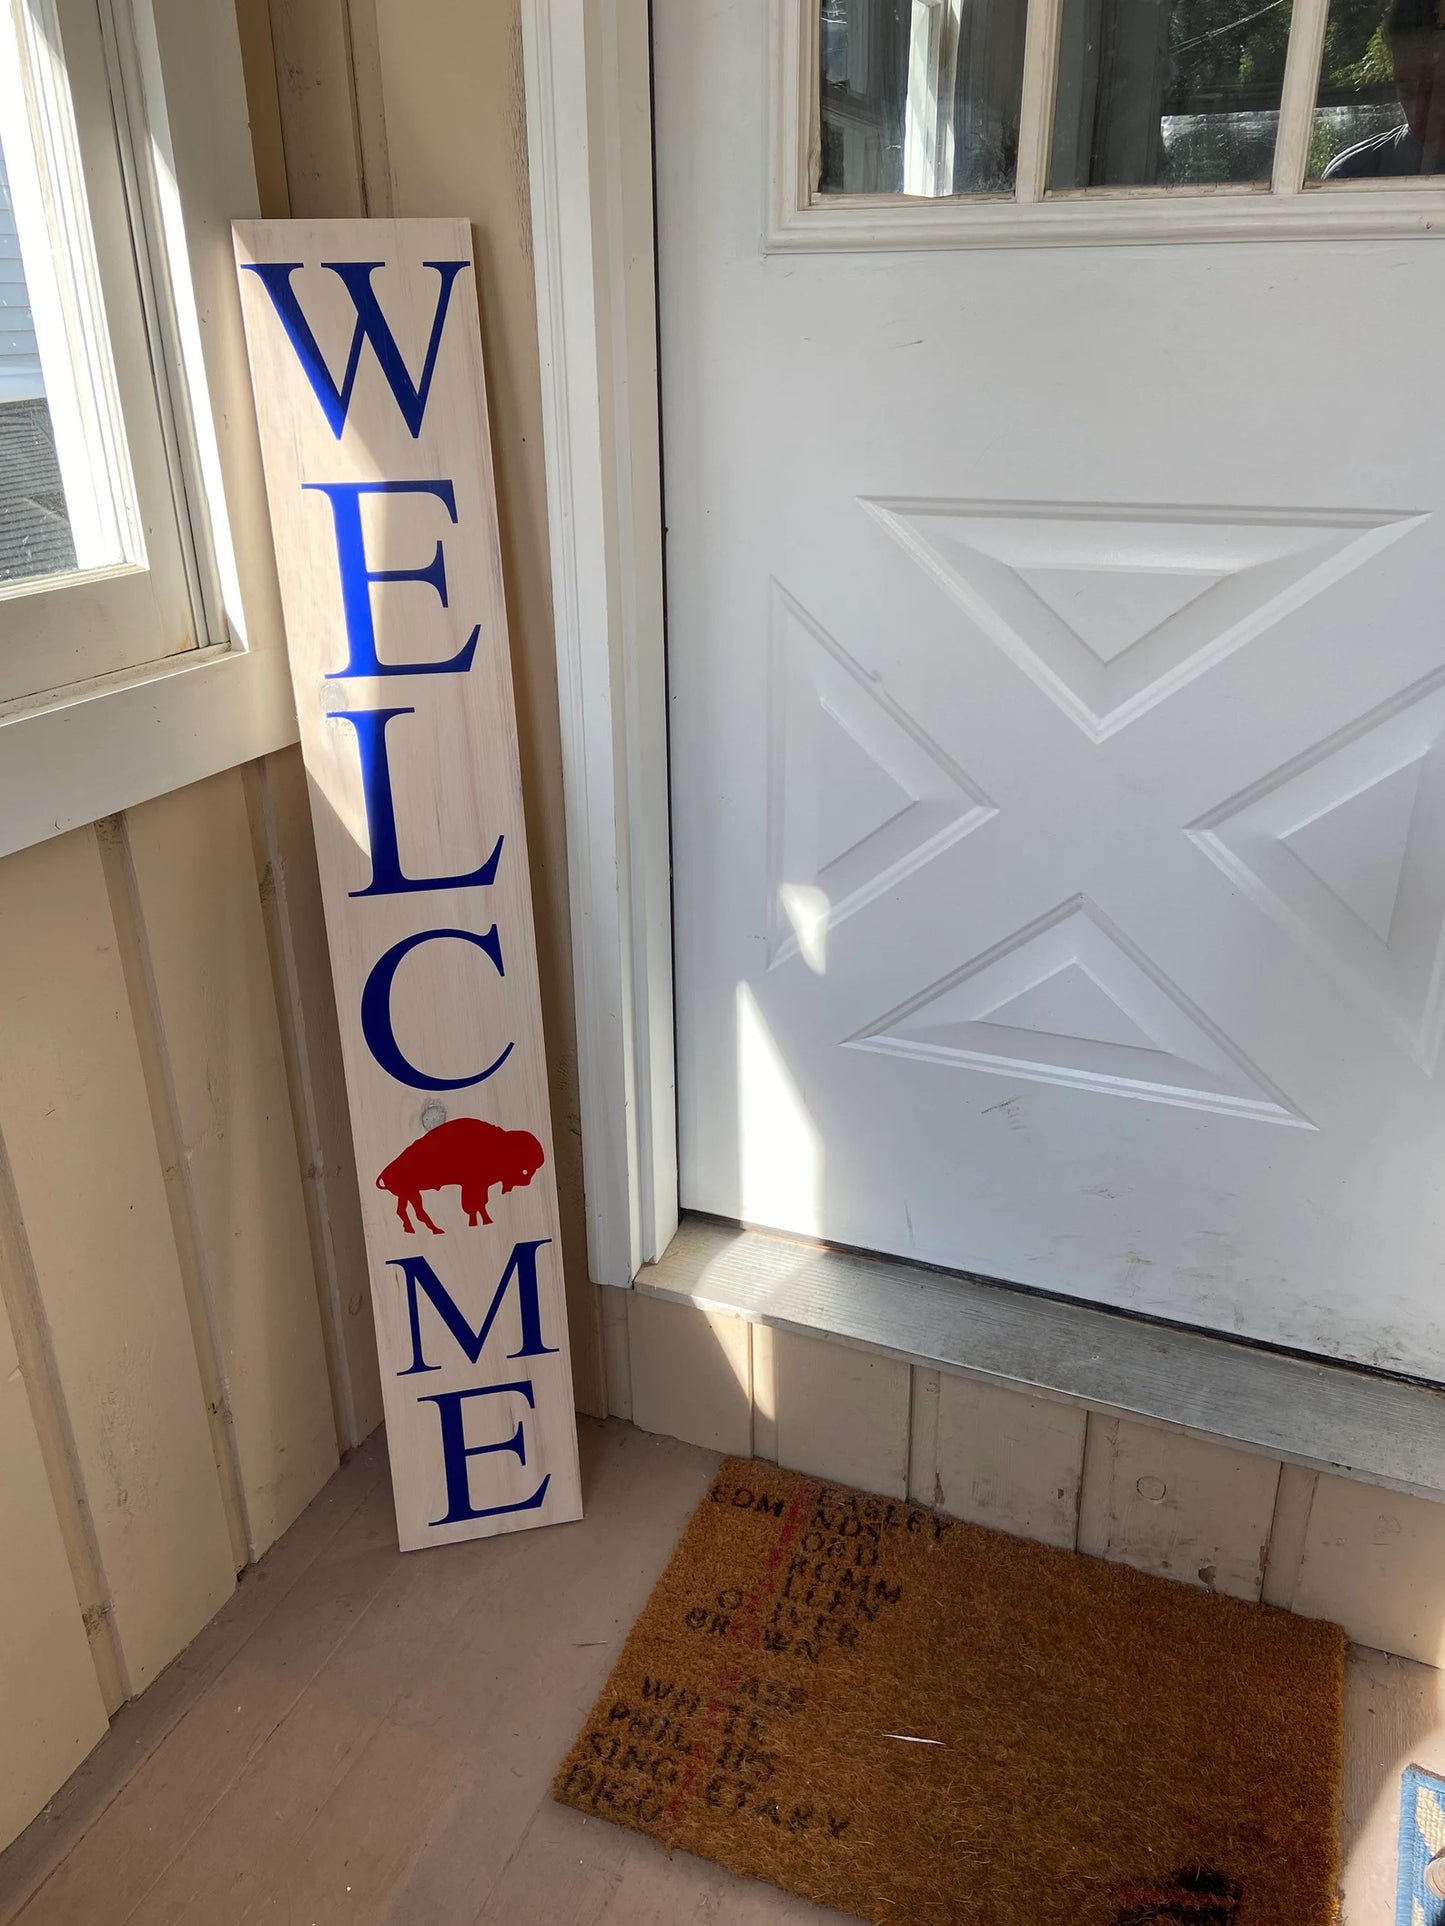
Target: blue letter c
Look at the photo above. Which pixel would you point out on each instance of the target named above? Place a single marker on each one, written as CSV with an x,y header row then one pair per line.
x,y
376,1025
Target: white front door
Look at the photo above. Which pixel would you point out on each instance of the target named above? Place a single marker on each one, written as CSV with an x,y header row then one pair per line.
x,y
1057,661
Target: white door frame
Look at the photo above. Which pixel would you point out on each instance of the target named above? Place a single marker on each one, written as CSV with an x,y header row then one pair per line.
x,y
588,75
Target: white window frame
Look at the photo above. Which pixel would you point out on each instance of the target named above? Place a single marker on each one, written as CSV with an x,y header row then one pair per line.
x,y
799,219
76,752
82,195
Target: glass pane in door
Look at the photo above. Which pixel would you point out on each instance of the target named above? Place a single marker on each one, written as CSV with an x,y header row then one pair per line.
x,y
1380,109
1168,93
919,97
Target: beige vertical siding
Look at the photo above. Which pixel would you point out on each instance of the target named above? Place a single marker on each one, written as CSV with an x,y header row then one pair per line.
x,y
164,1397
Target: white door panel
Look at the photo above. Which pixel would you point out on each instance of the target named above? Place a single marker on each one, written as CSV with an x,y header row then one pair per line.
x,y
1058,706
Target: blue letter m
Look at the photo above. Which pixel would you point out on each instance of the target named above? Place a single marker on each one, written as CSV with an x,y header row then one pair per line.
x,y
522,1265
371,325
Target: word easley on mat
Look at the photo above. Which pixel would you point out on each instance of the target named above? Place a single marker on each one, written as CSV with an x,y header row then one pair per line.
x,y
365,350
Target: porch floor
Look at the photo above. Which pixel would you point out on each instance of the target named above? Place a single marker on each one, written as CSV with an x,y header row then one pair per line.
x,y
364,1737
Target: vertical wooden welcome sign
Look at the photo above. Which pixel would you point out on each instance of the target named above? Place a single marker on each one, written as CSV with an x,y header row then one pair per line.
x,y
365,352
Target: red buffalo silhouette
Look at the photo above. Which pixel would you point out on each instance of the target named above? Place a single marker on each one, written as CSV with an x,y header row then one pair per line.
x,y
467,1152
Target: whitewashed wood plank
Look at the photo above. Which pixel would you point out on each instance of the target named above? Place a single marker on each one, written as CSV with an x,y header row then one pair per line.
x,y
219,1037
1374,1562
280,813
263,106
185,1231
1008,1460
317,107
690,1374
1176,1505
53,1436
617,1365
1288,1533
765,1394
841,1414
923,1437
51,1711
411,636
1329,1416
111,1315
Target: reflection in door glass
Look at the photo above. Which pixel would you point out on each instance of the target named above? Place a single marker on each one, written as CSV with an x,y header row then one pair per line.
x,y
1380,107
1168,93
35,534
920,96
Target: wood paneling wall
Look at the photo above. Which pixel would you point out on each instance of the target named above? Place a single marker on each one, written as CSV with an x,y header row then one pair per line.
x,y
182,1356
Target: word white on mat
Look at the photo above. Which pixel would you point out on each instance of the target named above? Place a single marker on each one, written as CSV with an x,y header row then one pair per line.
x,y
365,349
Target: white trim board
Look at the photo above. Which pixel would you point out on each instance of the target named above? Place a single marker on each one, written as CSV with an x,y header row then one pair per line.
x,y
1326,1416
587,67
99,748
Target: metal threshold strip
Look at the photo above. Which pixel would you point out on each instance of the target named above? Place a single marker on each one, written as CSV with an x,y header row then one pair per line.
x,y
1331,1417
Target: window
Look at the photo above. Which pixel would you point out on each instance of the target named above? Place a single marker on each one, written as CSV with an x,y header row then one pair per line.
x,y
920,96
1168,93
1378,112
141,645
104,561
950,122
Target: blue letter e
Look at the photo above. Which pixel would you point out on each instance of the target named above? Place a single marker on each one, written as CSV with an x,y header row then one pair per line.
x,y
357,578
456,1451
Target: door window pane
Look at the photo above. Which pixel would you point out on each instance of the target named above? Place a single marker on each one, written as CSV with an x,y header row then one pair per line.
x,y
1168,93
1381,103
920,96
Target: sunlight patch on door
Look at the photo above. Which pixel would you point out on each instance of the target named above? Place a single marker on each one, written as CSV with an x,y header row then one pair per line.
x,y
780,1152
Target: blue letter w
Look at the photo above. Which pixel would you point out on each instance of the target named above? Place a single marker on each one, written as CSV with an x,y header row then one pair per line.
x,y
371,325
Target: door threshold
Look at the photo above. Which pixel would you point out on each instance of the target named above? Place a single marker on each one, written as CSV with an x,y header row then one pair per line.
x,y
1330,1417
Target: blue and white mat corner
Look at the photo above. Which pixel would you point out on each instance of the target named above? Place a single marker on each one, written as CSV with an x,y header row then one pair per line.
x,y
1422,1835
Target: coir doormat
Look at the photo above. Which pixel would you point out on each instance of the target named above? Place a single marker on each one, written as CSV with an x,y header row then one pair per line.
x,y
917,1721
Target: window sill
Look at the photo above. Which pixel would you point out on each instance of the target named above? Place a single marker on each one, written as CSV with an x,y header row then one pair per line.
x,y
100,747
1123,217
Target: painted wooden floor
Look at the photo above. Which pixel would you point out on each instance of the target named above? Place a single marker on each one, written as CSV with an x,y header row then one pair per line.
x,y
362,1737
